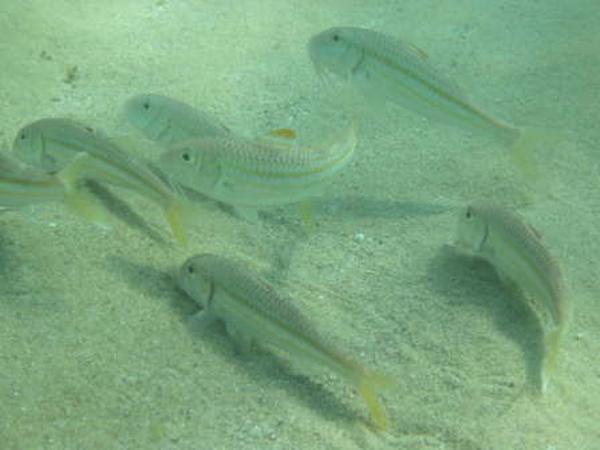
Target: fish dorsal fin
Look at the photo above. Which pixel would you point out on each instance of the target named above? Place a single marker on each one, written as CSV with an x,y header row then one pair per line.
x,y
279,138
286,133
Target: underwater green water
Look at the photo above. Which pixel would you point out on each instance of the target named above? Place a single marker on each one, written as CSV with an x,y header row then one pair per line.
x,y
98,345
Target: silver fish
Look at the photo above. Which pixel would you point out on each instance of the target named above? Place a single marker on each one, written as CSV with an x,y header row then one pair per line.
x,y
23,186
515,249
386,69
252,175
168,121
52,143
254,312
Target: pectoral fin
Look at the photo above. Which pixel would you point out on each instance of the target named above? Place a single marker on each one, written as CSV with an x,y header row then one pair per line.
x,y
246,213
241,340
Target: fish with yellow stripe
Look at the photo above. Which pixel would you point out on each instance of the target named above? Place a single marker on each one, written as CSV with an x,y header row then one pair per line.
x,y
54,143
387,69
21,186
254,313
255,174
516,251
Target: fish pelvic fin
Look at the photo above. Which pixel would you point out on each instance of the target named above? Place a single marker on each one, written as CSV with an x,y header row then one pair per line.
x,y
369,384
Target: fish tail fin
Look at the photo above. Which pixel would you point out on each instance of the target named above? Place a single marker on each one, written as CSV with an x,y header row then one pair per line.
x,y
521,155
78,198
175,213
551,347
369,384
525,142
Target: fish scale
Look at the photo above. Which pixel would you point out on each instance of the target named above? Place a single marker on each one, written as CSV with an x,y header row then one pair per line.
x,y
250,174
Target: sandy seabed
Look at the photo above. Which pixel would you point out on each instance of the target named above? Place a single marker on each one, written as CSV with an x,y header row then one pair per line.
x,y
96,346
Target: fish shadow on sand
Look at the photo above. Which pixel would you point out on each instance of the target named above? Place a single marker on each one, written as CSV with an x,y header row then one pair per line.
x,y
260,365
338,207
268,370
10,273
153,283
362,206
122,211
6,253
16,289
345,208
473,282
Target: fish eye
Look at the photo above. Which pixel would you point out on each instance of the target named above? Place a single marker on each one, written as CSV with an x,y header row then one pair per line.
x,y
190,268
185,156
146,105
23,136
335,37
468,215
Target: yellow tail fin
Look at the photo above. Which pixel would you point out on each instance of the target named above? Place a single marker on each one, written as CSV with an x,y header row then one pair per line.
x,y
368,386
77,198
551,346
175,214
528,141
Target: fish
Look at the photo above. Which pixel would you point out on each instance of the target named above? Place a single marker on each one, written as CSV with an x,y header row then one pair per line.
x,y
386,69
515,249
33,147
168,121
254,313
251,175
53,143
21,186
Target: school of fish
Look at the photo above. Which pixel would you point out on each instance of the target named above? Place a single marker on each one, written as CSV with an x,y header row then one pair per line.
x,y
55,158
